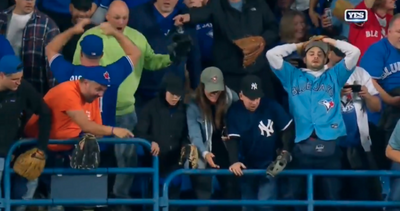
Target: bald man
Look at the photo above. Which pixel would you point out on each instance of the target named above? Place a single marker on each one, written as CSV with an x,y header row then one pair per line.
x,y
117,16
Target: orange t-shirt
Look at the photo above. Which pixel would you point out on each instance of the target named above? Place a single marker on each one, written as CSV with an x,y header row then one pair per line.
x,y
64,97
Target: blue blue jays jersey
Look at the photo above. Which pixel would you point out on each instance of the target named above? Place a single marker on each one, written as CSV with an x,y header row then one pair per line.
x,y
258,130
314,102
118,71
205,35
382,62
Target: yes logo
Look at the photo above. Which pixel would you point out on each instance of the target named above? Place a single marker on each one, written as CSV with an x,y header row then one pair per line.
x,y
356,15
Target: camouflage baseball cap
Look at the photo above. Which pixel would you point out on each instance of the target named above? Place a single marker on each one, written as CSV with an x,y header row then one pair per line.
x,y
323,46
212,79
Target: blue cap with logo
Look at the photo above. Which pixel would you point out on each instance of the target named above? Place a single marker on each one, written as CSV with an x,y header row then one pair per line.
x,y
97,74
10,64
92,45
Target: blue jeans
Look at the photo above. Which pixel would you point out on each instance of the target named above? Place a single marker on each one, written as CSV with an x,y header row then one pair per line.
x,y
258,188
394,194
21,188
126,156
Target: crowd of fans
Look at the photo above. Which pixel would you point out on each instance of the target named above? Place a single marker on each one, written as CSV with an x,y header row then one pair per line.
x,y
104,67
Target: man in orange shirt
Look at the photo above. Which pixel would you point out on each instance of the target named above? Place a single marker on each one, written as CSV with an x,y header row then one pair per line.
x,y
75,107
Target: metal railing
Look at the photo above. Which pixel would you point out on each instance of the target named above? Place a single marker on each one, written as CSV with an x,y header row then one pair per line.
x,y
8,202
165,202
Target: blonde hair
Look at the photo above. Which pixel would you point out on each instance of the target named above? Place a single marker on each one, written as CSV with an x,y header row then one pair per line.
x,y
286,26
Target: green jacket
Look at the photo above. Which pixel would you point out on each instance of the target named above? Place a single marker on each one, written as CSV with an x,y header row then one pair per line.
x,y
113,51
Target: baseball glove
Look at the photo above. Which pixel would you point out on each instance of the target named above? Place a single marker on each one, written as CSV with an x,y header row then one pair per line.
x,y
279,164
180,46
340,7
30,164
300,49
251,47
189,153
86,154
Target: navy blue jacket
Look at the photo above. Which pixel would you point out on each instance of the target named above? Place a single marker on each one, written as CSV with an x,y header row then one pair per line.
x,y
144,19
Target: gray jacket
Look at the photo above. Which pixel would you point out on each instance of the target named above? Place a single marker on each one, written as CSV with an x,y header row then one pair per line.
x,y
200,130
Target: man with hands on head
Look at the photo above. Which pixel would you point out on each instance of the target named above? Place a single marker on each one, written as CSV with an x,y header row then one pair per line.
x,y
314,101
256,123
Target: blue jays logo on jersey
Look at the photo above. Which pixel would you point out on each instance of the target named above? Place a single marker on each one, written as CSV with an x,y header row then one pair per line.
x,y
328,103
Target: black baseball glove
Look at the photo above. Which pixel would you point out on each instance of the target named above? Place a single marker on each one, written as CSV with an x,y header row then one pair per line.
x,y
86,154
180,46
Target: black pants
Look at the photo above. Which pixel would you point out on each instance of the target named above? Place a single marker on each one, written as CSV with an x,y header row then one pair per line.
x,y
230,188
328,187
355,158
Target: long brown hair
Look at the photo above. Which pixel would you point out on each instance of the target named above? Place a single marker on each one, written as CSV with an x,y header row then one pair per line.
x,y
286,26
204,104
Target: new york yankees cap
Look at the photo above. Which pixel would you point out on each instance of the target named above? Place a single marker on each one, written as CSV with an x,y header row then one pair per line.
x,y
251,87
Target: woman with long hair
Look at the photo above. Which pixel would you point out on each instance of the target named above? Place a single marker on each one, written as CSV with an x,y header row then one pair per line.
x,y
206,121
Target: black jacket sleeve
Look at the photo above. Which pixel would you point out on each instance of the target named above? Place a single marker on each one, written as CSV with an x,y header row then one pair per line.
x,y
143,127
287,137
232,146
202,14
185,135
36,104
271,29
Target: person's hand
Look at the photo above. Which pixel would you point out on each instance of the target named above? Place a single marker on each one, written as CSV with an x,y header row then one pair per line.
x,y
79,27
314,17
107,28
345,91
225,138
122,133
329,41
210,160
236,168
155,149
181,19
364,93
326,22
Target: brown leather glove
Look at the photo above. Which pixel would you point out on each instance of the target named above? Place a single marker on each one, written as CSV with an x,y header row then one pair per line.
x,y
251,47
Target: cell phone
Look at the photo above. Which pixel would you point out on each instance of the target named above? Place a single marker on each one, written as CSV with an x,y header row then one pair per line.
x,y
354,88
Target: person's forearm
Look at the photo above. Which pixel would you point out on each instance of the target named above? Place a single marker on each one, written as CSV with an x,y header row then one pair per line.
x,y
393,154
57,44
352,53
97,130
275,55
373,104
128,46
312,5
287,137
44,127
386,98
232,146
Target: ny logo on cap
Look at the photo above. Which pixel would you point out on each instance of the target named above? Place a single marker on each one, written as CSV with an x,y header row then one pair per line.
x,y
106,76
254,86
214,79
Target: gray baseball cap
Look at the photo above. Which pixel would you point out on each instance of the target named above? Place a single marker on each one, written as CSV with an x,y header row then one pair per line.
x,y
212,79
323,46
